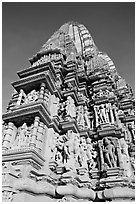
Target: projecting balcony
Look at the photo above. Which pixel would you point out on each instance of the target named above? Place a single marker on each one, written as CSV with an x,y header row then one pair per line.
x,y
27,113
32,82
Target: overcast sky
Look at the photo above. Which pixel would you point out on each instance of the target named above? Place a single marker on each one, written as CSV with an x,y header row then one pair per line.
x,y
27,26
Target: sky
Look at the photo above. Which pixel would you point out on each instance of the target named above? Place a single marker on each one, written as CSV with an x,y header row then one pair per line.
x,y
27,26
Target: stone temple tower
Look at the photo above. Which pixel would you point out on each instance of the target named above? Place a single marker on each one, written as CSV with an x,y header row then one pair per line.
x,y
69,128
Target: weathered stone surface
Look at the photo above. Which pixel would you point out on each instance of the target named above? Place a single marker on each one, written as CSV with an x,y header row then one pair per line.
x,y
68,133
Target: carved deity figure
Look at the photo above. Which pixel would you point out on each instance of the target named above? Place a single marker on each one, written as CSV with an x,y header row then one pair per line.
x,y
22,134
70,107
23,137
86,117
125,130
58,151
109,153
32,96
52,145
91,154
102,113
54,106
69,149
111,113
83,153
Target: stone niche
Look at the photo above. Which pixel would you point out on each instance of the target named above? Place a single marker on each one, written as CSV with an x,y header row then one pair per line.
x,y
68,134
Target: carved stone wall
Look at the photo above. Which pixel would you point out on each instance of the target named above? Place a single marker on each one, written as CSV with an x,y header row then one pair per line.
x,y
68,134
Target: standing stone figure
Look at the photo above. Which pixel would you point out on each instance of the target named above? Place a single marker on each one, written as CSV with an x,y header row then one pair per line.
x,y
86,117
54,107
109,153
102,114
111,113
69,151
91,155
70,107
52,145
83,153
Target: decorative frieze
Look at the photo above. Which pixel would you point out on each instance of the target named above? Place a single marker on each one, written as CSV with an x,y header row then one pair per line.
x,y
69,129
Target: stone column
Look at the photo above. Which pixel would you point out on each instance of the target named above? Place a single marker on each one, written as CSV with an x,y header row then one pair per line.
x,y
111,114
20,97
120,161
40,132
96,116
46,97
8,136
131,128
34,132
42,88
101,154
115,113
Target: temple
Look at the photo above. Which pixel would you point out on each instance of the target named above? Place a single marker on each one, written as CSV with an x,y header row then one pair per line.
x,y
68,134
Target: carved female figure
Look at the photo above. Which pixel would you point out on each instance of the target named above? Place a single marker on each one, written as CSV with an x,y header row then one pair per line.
x,y
70,107
86,117
69,150
91,154
102,113
109,153
83,153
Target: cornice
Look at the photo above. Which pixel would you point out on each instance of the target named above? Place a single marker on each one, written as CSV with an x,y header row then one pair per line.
x,y
31,82
27,113
35,70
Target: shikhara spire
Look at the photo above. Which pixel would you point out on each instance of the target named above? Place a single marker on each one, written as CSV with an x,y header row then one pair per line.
x,y
69,129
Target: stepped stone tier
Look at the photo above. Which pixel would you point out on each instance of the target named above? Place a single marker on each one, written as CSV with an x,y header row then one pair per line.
x,y
69,128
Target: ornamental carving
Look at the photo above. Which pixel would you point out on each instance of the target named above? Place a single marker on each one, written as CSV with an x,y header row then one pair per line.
x,y
69,130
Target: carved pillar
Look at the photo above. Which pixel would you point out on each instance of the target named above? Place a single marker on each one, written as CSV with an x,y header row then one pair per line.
x,y
115,114
120,160
111,114
8,136
42,88
20,97
131,128
101,154
96,116
34,132
40,132
46,97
